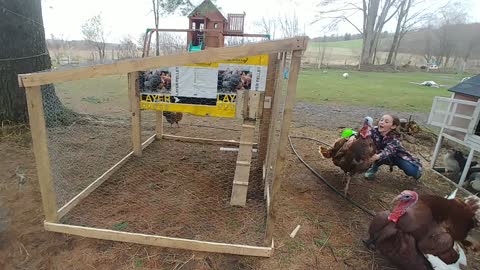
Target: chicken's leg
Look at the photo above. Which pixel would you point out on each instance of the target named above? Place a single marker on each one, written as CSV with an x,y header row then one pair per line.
x,y
349,178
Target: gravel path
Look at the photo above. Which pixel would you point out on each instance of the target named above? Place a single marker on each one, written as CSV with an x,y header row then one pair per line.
x,y
335,115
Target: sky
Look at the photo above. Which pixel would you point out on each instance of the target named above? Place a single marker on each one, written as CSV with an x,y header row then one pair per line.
x,y
130,18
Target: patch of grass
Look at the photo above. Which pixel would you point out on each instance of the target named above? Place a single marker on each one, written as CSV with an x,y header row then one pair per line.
x,y
233,224
120,226
95,95
392,91
139,263
322,241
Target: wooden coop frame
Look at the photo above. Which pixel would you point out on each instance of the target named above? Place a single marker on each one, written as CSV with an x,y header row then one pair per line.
x,y
271,155
458,118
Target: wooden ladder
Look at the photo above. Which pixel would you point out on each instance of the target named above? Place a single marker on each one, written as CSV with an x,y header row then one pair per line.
x,y
248,103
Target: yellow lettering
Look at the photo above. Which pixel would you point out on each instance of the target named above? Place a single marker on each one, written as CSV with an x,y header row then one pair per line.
x,y
166,98
225,98
232,98
149,98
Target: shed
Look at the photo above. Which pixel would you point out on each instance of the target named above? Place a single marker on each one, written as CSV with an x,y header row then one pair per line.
x,y
457,117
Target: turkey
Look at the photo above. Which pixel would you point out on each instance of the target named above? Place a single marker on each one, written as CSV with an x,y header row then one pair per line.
x,y
426,231
353,155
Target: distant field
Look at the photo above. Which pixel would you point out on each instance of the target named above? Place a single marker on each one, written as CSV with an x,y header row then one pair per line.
x,y
388,90
376,89
349,44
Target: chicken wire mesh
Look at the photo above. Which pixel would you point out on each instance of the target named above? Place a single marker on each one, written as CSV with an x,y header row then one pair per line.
x,y
175,189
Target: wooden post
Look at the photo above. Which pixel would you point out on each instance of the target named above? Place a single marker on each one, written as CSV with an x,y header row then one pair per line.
x,y
440,134
159,125
271,147
437,150
134,94
267,107
283,141
467,168
40,150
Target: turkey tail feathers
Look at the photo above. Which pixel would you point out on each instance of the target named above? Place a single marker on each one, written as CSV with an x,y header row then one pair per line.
x,y
474,203
325,152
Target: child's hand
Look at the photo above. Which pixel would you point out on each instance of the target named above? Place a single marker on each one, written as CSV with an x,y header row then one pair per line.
x,y
350,141
375,157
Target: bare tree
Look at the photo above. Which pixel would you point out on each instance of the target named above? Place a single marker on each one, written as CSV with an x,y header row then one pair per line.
x,y
268,26
375,14
289,25
59,47
127,49
238,41
170,43
452,14
321,52
93,32
402,17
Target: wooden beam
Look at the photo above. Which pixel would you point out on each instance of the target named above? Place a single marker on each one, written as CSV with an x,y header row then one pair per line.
x,y
159,124
276,103
450,181
267,112
161,241
127,66
247,35
40,150
95,184
201,140
283,141
134,97
254,109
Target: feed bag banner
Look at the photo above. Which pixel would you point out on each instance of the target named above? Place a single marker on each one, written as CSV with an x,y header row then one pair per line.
x,y
206,89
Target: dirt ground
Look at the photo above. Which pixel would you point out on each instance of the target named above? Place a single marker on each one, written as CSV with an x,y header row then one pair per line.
x,y
331,228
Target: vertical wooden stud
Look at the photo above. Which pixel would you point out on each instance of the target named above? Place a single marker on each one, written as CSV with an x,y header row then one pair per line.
x,y
283,141
134,94
40,149
267,107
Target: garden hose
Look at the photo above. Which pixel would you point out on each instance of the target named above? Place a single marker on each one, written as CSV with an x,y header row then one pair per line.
x,y
364,209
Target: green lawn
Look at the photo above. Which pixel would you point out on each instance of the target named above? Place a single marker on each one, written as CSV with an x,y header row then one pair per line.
x,y
376,89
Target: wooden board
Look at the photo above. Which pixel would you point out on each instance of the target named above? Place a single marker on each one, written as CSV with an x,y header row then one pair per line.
x,y
134,97
159,124
283,141
267,108
168,242
40,150
201,140
127,66
271,147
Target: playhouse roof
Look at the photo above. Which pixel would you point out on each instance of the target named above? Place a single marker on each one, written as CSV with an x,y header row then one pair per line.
x,y
204,9
470,87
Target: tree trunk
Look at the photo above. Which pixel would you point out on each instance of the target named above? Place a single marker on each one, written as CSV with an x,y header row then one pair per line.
x,y
23,50
369,32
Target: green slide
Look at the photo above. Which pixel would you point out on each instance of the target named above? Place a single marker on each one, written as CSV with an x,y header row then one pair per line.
x,y
192,48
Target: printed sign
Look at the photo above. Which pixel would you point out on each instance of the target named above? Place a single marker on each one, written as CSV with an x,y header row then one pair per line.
x,y
206,89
